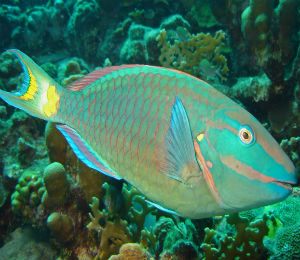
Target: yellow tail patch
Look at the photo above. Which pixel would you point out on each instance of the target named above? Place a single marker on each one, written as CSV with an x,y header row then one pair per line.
x,y
51,106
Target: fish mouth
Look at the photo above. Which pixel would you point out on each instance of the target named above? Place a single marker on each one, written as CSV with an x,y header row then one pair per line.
x,y
286,184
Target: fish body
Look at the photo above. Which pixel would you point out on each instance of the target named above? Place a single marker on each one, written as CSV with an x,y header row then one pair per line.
x,y
190,149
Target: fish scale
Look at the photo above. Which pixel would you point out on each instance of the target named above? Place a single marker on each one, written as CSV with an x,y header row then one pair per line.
x,y
139,129
191,150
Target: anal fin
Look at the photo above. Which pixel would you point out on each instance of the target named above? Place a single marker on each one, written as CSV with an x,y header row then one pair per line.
x,y
84,152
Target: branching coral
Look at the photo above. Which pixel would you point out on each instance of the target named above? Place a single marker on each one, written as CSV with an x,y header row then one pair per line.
x,y
136,216
112,233
187,54
96,216
129,218
247,243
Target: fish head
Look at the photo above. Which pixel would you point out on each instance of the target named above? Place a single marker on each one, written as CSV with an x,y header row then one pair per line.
x,y
242,163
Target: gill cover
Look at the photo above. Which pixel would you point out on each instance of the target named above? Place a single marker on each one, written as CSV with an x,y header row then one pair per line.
x,y
38,94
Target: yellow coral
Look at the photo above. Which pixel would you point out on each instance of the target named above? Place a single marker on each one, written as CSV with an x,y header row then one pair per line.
x,y
113,233
132,251
186,55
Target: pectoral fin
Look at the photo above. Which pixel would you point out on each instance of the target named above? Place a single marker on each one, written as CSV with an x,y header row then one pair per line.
x,y
180,162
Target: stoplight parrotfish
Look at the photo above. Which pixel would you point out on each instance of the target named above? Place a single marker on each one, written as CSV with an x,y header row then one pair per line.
x,y
188,148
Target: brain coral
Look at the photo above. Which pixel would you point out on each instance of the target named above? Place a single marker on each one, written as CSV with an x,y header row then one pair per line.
x,y
27,195
287,245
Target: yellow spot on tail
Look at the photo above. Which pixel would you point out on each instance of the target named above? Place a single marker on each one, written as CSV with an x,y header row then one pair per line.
x,y
32,88
200,137
51,106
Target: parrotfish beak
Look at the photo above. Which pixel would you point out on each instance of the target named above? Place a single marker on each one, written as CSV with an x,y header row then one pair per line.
x,y
282,185
290,181
289,174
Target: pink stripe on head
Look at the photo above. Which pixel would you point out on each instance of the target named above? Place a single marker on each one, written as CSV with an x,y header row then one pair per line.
x,y
263,138
243,169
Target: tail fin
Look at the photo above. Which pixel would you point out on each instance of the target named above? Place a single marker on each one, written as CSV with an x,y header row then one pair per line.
x,y
39,94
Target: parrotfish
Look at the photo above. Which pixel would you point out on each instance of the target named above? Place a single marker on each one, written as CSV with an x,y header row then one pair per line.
x,y
188,148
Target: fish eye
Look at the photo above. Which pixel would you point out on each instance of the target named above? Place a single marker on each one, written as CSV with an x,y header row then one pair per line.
x,y
246,135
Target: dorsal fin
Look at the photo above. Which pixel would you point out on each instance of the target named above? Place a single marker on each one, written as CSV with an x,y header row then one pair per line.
x,y
95,75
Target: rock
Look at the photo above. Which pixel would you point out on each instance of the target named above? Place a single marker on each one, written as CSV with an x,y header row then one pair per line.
x,y
26,245
61,226
26,152
56,182
3,192
56,144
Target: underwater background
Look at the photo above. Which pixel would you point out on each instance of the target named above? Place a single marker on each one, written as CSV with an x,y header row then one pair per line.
x,y
52,206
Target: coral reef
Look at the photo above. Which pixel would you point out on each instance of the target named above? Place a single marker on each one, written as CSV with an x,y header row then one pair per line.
x,y
182,250
73,70
56,144
61,226
179,240
84,14
113,234
28,194
186,55
249,50
134,49
292,148
287,245
11,17
200,13
3,192
131,251
129,224
257,22
27,244
284,242
136,215
56,183
247,243
255,88
26,152
59,150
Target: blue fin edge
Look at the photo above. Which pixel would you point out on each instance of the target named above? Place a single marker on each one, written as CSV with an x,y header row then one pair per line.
x,y
26,78
162,208
84,152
